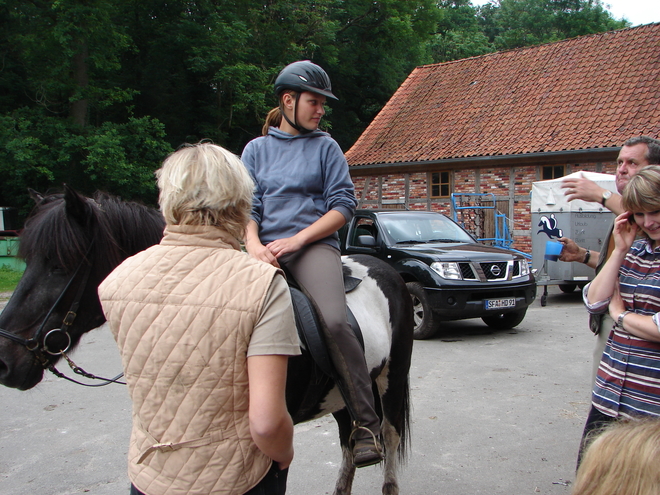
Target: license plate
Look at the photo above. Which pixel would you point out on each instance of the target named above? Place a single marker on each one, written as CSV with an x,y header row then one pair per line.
x,y
509,302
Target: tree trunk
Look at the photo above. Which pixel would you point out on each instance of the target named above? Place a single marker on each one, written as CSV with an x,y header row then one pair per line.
x,y
81,78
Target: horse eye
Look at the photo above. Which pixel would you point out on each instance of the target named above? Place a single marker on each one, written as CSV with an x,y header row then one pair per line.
x,y
57,270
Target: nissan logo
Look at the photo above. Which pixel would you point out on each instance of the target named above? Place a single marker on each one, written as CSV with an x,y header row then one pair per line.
x,y
495,270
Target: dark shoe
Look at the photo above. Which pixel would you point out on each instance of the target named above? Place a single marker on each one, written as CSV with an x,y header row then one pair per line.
x,y
366,451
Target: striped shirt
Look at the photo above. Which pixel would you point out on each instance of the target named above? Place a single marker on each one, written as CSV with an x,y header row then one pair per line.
x,y
628,380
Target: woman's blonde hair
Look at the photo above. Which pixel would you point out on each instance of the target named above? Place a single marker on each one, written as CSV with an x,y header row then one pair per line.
x,y
204,184
642,193
622,460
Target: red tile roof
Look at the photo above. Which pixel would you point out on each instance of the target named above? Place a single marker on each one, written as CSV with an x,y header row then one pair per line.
x,y
589,92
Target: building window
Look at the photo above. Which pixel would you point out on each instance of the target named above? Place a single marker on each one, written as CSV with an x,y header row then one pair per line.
x,y
553,172
440,184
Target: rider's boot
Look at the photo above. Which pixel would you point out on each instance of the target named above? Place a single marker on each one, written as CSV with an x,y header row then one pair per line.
x,y
355,386
367,450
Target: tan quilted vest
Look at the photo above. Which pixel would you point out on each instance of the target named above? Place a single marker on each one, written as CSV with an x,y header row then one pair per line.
x,y
182,313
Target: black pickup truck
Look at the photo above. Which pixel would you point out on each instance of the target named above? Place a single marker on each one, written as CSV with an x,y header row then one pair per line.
x,y
449,274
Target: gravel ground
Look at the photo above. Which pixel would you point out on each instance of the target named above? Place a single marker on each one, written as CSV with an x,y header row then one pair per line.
x,y
494,413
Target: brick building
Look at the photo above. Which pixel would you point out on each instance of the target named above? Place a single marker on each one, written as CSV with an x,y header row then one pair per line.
x,y
485,128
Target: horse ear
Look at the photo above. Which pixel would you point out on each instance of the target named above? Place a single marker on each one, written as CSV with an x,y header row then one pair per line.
x,y
36,197
76,206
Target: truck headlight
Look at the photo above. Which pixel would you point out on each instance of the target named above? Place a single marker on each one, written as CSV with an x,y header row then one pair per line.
x,y
524,268
450,271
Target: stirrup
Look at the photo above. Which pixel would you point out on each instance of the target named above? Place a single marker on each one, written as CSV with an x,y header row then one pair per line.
x,y
366,451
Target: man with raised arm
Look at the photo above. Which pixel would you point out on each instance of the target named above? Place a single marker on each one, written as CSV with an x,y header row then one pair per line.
x,y
636,153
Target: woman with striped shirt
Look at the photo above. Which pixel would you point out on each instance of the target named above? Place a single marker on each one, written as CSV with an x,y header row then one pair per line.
x,y
628,287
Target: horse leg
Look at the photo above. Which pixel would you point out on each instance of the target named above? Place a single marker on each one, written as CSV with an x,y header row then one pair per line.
x,y
394,391
392,441
346,475
395,409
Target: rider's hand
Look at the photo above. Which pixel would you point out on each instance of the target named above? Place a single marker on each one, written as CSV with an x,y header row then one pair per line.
x,y
262,253
284,246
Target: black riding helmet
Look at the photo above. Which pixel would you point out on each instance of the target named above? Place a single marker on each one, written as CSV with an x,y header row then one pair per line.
x,y
299,77
304,76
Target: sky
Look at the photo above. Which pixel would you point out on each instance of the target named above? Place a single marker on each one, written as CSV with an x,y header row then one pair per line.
x,y
636,11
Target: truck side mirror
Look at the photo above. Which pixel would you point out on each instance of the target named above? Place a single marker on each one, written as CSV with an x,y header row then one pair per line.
x,y
366,241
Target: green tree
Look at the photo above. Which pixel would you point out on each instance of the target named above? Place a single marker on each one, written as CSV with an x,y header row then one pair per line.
x,y
377,44
65,51
43,152
65,110
95,93
459,34
517,23
272,34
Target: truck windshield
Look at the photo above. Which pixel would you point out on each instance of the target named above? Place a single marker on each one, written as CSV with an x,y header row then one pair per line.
x,y
423,228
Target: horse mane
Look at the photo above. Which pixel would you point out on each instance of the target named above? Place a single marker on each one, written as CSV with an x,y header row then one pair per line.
x,y
118,228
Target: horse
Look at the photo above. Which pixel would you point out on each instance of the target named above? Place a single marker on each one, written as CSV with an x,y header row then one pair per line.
x,y
70,243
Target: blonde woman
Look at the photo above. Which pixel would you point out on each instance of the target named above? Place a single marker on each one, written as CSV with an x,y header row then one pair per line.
x,y
205,332
622,460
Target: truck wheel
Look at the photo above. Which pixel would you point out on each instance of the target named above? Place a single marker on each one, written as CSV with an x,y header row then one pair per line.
x,y
504,321
567,288
426,325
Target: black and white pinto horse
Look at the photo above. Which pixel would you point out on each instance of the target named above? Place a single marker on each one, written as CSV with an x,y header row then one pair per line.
x,y
71,243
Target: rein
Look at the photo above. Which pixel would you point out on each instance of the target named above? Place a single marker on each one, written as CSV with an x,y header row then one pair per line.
x,y
79,371
40,347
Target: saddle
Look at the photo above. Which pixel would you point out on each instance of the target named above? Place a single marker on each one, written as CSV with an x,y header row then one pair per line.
x,y
309,327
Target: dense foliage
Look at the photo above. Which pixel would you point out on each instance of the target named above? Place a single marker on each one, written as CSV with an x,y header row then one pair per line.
x,y
95,93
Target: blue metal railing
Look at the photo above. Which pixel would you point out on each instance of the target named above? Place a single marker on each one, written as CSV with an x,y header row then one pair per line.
x,y
502,237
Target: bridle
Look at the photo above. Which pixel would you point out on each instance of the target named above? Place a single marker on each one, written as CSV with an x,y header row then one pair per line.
x,y
46,343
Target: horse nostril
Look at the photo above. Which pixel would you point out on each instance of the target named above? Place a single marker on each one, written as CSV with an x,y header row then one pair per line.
x,y
4,370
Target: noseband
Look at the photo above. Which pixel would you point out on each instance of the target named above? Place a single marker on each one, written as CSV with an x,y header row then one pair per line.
x,y
39,344
44,343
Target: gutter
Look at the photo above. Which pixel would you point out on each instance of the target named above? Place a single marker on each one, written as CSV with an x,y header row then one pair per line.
x,y
538,158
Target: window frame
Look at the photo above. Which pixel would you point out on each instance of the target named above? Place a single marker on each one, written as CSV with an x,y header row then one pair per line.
x,y
554,170
448,184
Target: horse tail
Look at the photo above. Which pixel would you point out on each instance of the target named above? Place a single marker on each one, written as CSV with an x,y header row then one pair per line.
x,y
402,340
404,426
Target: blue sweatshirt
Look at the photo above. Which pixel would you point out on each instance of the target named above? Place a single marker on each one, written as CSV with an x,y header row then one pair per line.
x,y
298,180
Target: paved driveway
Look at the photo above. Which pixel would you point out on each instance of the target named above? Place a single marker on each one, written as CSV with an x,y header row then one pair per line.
x,y
494,413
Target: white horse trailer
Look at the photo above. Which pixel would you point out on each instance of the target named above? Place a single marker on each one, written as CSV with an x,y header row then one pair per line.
x,y
553,217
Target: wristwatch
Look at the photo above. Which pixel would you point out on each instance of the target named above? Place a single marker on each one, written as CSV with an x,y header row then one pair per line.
x,y
606,195
619,320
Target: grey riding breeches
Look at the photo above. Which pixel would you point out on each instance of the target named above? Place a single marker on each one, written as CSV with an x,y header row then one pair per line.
x,y
318,269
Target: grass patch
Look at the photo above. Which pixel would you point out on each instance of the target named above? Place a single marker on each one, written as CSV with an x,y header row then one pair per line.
x,y
9,278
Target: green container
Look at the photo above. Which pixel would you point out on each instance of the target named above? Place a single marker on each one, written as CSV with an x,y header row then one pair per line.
x,y
8,252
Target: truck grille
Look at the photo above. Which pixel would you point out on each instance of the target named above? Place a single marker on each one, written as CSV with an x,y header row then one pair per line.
x,y
495,271
467,272
490,271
